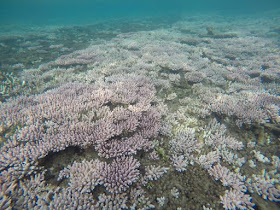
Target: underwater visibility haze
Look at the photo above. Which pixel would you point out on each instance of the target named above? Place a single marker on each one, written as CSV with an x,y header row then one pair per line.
x,y
131,104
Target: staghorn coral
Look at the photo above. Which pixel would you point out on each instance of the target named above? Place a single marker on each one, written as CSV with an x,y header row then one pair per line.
x,y
228,70
154,172
234,199
267,185
247,107
115,119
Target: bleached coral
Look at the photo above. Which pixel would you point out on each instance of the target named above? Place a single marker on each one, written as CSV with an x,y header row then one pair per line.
x,y
184,142
215,136
179,162
234,199
252,164
260,157
267,185
175,192
228,178
276,161
161,201
206,161
154,172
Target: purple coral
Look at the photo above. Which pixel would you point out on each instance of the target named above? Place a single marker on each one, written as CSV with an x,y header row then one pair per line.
x,y
233,199
154,172
247,107
184,142
267,187
83,176
194,77
117,120
179,162
121,173
227,177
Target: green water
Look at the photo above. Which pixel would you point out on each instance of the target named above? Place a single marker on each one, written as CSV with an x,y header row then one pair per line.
x,y
85,11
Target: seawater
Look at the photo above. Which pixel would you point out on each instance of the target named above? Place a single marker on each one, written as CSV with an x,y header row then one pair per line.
x,y
85,11
139,104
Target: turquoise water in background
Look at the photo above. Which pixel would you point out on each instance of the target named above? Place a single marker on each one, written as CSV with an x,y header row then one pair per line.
x,y
85,11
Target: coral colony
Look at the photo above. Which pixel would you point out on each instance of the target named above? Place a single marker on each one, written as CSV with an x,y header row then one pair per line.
x,y
181,117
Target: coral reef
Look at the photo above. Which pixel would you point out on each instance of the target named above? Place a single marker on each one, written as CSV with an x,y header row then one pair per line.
x,y
117,120
122,115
